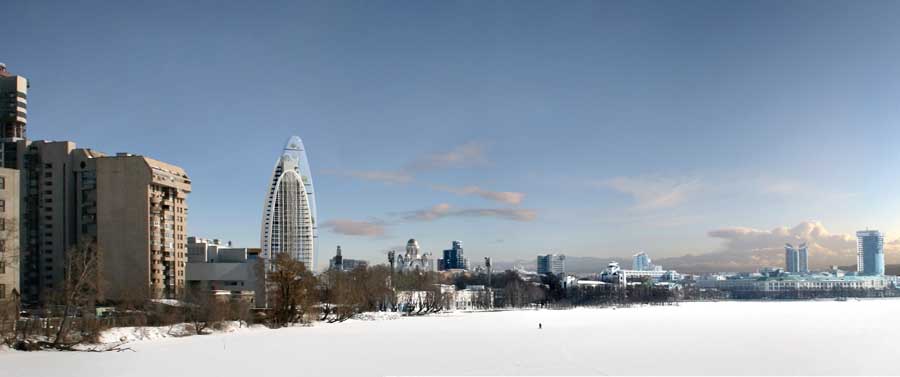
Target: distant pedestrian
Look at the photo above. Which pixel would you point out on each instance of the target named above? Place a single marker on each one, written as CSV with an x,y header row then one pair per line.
x,y
540,326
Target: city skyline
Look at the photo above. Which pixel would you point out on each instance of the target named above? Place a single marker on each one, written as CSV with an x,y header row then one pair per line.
x,y
473,128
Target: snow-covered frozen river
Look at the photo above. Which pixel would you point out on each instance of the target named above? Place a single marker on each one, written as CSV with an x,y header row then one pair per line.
x,y
723,338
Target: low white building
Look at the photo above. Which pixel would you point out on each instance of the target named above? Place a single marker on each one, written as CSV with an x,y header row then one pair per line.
x,y
614,274
216,267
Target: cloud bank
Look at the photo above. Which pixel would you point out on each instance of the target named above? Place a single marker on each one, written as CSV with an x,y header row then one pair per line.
x,y
349,227
747,249
444,210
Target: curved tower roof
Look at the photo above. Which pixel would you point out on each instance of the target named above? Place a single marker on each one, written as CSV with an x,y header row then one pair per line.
x,y
289,212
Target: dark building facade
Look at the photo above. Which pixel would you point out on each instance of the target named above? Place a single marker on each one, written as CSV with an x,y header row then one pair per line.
x,y
454,259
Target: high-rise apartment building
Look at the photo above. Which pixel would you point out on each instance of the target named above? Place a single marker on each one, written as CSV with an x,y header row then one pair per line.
x,y
13,105
791,258
289,214
796,259
9,235
52,215
141,223
803,259
73,195
551,264
870,252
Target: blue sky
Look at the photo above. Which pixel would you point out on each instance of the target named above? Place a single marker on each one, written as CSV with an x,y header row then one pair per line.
x,y
589,128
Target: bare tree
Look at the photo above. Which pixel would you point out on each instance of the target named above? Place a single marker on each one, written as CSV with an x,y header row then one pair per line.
x,y
203,310
81,289
292,290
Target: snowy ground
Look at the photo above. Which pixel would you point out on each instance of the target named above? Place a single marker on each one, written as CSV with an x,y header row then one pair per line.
x,y
724,338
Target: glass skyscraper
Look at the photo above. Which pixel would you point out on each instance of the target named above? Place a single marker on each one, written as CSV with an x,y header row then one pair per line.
x,y
289,213
870,252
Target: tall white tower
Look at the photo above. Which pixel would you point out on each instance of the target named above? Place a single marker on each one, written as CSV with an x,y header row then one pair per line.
x,y
289,214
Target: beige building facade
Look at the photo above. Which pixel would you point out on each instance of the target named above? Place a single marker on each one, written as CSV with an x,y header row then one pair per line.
x,y
133,207
9,234
141,218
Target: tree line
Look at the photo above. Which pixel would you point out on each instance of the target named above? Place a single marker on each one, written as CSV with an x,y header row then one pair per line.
x,y
293,295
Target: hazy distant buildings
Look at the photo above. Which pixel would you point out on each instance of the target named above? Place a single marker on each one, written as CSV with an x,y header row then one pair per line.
x,y
338,262
795,286
551,264
454,258
870,252
796,259
289,215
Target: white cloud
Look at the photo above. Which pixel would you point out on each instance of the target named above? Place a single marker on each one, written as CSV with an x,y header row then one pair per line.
x,y
471,153
446,210
356,228
385,176
654,192
508,197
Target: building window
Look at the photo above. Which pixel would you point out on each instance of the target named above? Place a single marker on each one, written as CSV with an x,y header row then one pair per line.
x,y
2,223
2,183
2,205
2,291
2,267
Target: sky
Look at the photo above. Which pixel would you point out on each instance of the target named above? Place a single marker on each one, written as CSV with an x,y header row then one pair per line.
x,y
704,130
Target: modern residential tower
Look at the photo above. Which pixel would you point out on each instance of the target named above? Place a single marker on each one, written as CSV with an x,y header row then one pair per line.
x,y
870,252
796,259
289,213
